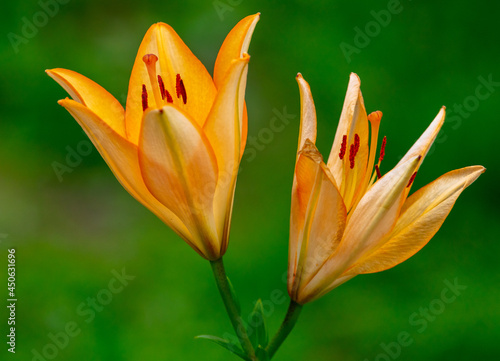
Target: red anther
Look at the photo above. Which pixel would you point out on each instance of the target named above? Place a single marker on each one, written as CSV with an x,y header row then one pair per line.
x,y
352,155
162,87
356,142
169,97
382,149
343,147
411,179
180,89
377,169
144,97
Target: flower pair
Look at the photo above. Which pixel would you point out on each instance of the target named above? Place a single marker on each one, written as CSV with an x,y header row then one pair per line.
x,y
177,146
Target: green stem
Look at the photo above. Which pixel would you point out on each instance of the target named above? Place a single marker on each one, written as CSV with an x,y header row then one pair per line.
x,y
291,318
232,307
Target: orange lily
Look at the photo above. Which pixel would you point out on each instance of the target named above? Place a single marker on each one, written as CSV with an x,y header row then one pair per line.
x,y
347,219
177,146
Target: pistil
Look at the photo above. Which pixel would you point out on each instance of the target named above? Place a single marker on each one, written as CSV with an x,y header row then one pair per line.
x,y
150,61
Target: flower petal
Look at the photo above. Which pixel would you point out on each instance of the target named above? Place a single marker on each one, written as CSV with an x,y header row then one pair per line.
x,y
321,225
174,58
235,45
372,219
179,168
424,143
421,217
353,121
122,158
305,178
92,95
222,129
307,113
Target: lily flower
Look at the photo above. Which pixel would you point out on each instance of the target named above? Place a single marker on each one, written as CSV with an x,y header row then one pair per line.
x,y
349,219
176,147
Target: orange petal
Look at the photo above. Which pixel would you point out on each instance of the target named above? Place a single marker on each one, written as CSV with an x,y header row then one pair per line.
x,y
174,58
179,168
122,158
235,45
318,218
92,95
304,182
307,113
222,129
421,217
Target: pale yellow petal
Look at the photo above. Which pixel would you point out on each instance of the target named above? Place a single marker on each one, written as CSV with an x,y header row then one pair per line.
x,y
353,121
179,168
307,113
421,217
303,298
424,143
93,96
122,158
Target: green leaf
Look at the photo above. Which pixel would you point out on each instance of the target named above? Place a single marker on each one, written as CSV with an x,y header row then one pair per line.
x,y
228,345
262,354
233,296
257,331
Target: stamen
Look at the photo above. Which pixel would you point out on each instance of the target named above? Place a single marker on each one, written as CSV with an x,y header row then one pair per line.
x,y
382,149
144,98
377,169
169,97
352,154
411,179
353,150
164,92
150,61
180,89
162,87
356,142
343,147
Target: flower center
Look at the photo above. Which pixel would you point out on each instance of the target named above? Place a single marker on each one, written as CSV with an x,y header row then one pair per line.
x,y
160,92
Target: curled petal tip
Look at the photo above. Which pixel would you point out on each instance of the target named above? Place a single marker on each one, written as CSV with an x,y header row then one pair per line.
x,y
299,76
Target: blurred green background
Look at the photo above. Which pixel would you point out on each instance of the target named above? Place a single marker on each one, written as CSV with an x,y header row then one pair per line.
x,y
70,235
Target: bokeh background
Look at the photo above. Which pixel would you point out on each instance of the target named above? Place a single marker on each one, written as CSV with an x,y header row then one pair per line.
x,y
72,233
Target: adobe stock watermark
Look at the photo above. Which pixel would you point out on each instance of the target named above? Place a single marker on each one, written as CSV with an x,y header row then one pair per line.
x,y
363,36
31,26
265,136
223,6
74,157
420,320
456,114
87,310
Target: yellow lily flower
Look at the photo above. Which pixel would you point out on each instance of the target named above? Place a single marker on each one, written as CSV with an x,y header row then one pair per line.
x,y
346,218
177,146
